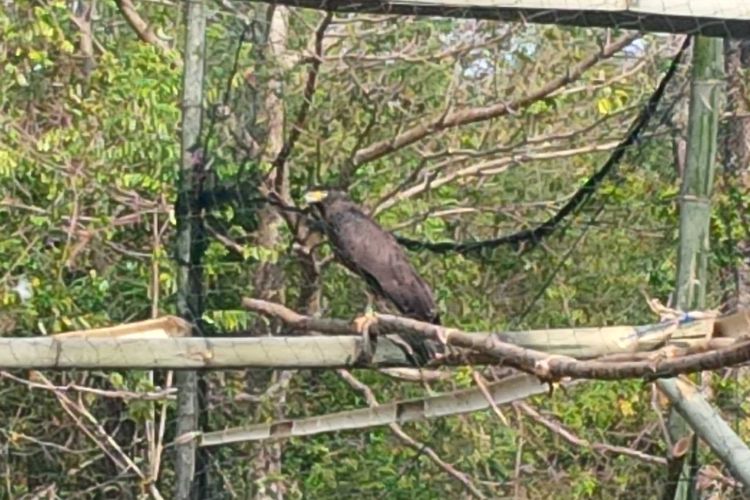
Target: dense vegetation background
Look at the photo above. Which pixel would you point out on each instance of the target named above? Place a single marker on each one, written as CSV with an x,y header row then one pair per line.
x,y
89,153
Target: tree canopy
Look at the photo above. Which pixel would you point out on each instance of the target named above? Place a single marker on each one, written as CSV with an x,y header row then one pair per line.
x,y
446,130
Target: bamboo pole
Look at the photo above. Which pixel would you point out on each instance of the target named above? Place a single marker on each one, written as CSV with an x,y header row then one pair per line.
x,y
709,425
190,239
164,343
695,213
190,353
460,402
344,351
697,184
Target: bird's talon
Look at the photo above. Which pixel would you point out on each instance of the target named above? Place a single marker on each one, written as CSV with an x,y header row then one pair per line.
x,y
364,322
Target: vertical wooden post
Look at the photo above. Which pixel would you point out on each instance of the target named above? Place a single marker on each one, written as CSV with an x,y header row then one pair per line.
x,y
190,238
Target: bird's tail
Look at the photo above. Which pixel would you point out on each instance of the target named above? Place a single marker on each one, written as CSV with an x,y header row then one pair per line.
x,y
415,348
423,350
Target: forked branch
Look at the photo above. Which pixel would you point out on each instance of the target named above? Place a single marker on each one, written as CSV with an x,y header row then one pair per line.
x,y
471,115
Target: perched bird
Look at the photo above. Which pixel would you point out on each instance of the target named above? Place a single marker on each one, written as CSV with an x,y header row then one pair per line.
x,y
372,253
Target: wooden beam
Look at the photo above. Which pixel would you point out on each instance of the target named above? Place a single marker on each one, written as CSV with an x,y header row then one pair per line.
x,y
720,18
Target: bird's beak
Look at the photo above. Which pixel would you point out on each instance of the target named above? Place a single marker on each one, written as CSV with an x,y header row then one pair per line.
x,y
314,197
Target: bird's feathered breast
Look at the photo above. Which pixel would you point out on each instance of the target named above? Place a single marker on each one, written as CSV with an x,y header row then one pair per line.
x,y
373,253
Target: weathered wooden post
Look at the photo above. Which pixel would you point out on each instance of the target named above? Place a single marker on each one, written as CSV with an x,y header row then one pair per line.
x,y
190,236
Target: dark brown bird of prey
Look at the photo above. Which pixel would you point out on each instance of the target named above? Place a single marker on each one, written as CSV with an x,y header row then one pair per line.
x,y
372,253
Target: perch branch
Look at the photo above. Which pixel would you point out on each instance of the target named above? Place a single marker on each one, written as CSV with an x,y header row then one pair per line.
x,y
541,364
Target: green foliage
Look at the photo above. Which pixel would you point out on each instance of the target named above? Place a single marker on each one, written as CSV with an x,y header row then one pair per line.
x,y
88,168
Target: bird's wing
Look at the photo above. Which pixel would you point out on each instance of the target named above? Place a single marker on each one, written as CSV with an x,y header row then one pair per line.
x,y
375,254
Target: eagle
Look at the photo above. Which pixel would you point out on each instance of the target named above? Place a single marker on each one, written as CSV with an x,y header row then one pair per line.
x,y
372,253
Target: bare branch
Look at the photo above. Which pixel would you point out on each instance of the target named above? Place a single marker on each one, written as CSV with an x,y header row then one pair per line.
x,y
581,343
103,440
541,364
312,75
492,167
472,115
143,29
164,394
571,438
582,195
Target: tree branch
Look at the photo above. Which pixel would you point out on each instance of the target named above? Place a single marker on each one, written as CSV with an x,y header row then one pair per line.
x,y
410,441
582,195
541,364
472,115
312,75
143,29
560,430
491,167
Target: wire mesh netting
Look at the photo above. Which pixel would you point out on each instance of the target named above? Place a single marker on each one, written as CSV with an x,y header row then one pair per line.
x,y
529,162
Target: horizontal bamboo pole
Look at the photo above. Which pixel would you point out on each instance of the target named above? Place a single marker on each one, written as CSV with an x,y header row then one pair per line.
x,y
191,353
505,391
160,344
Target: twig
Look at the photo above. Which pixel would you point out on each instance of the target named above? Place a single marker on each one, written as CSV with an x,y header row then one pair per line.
x,y
165,394
481,383
571,438
68,405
